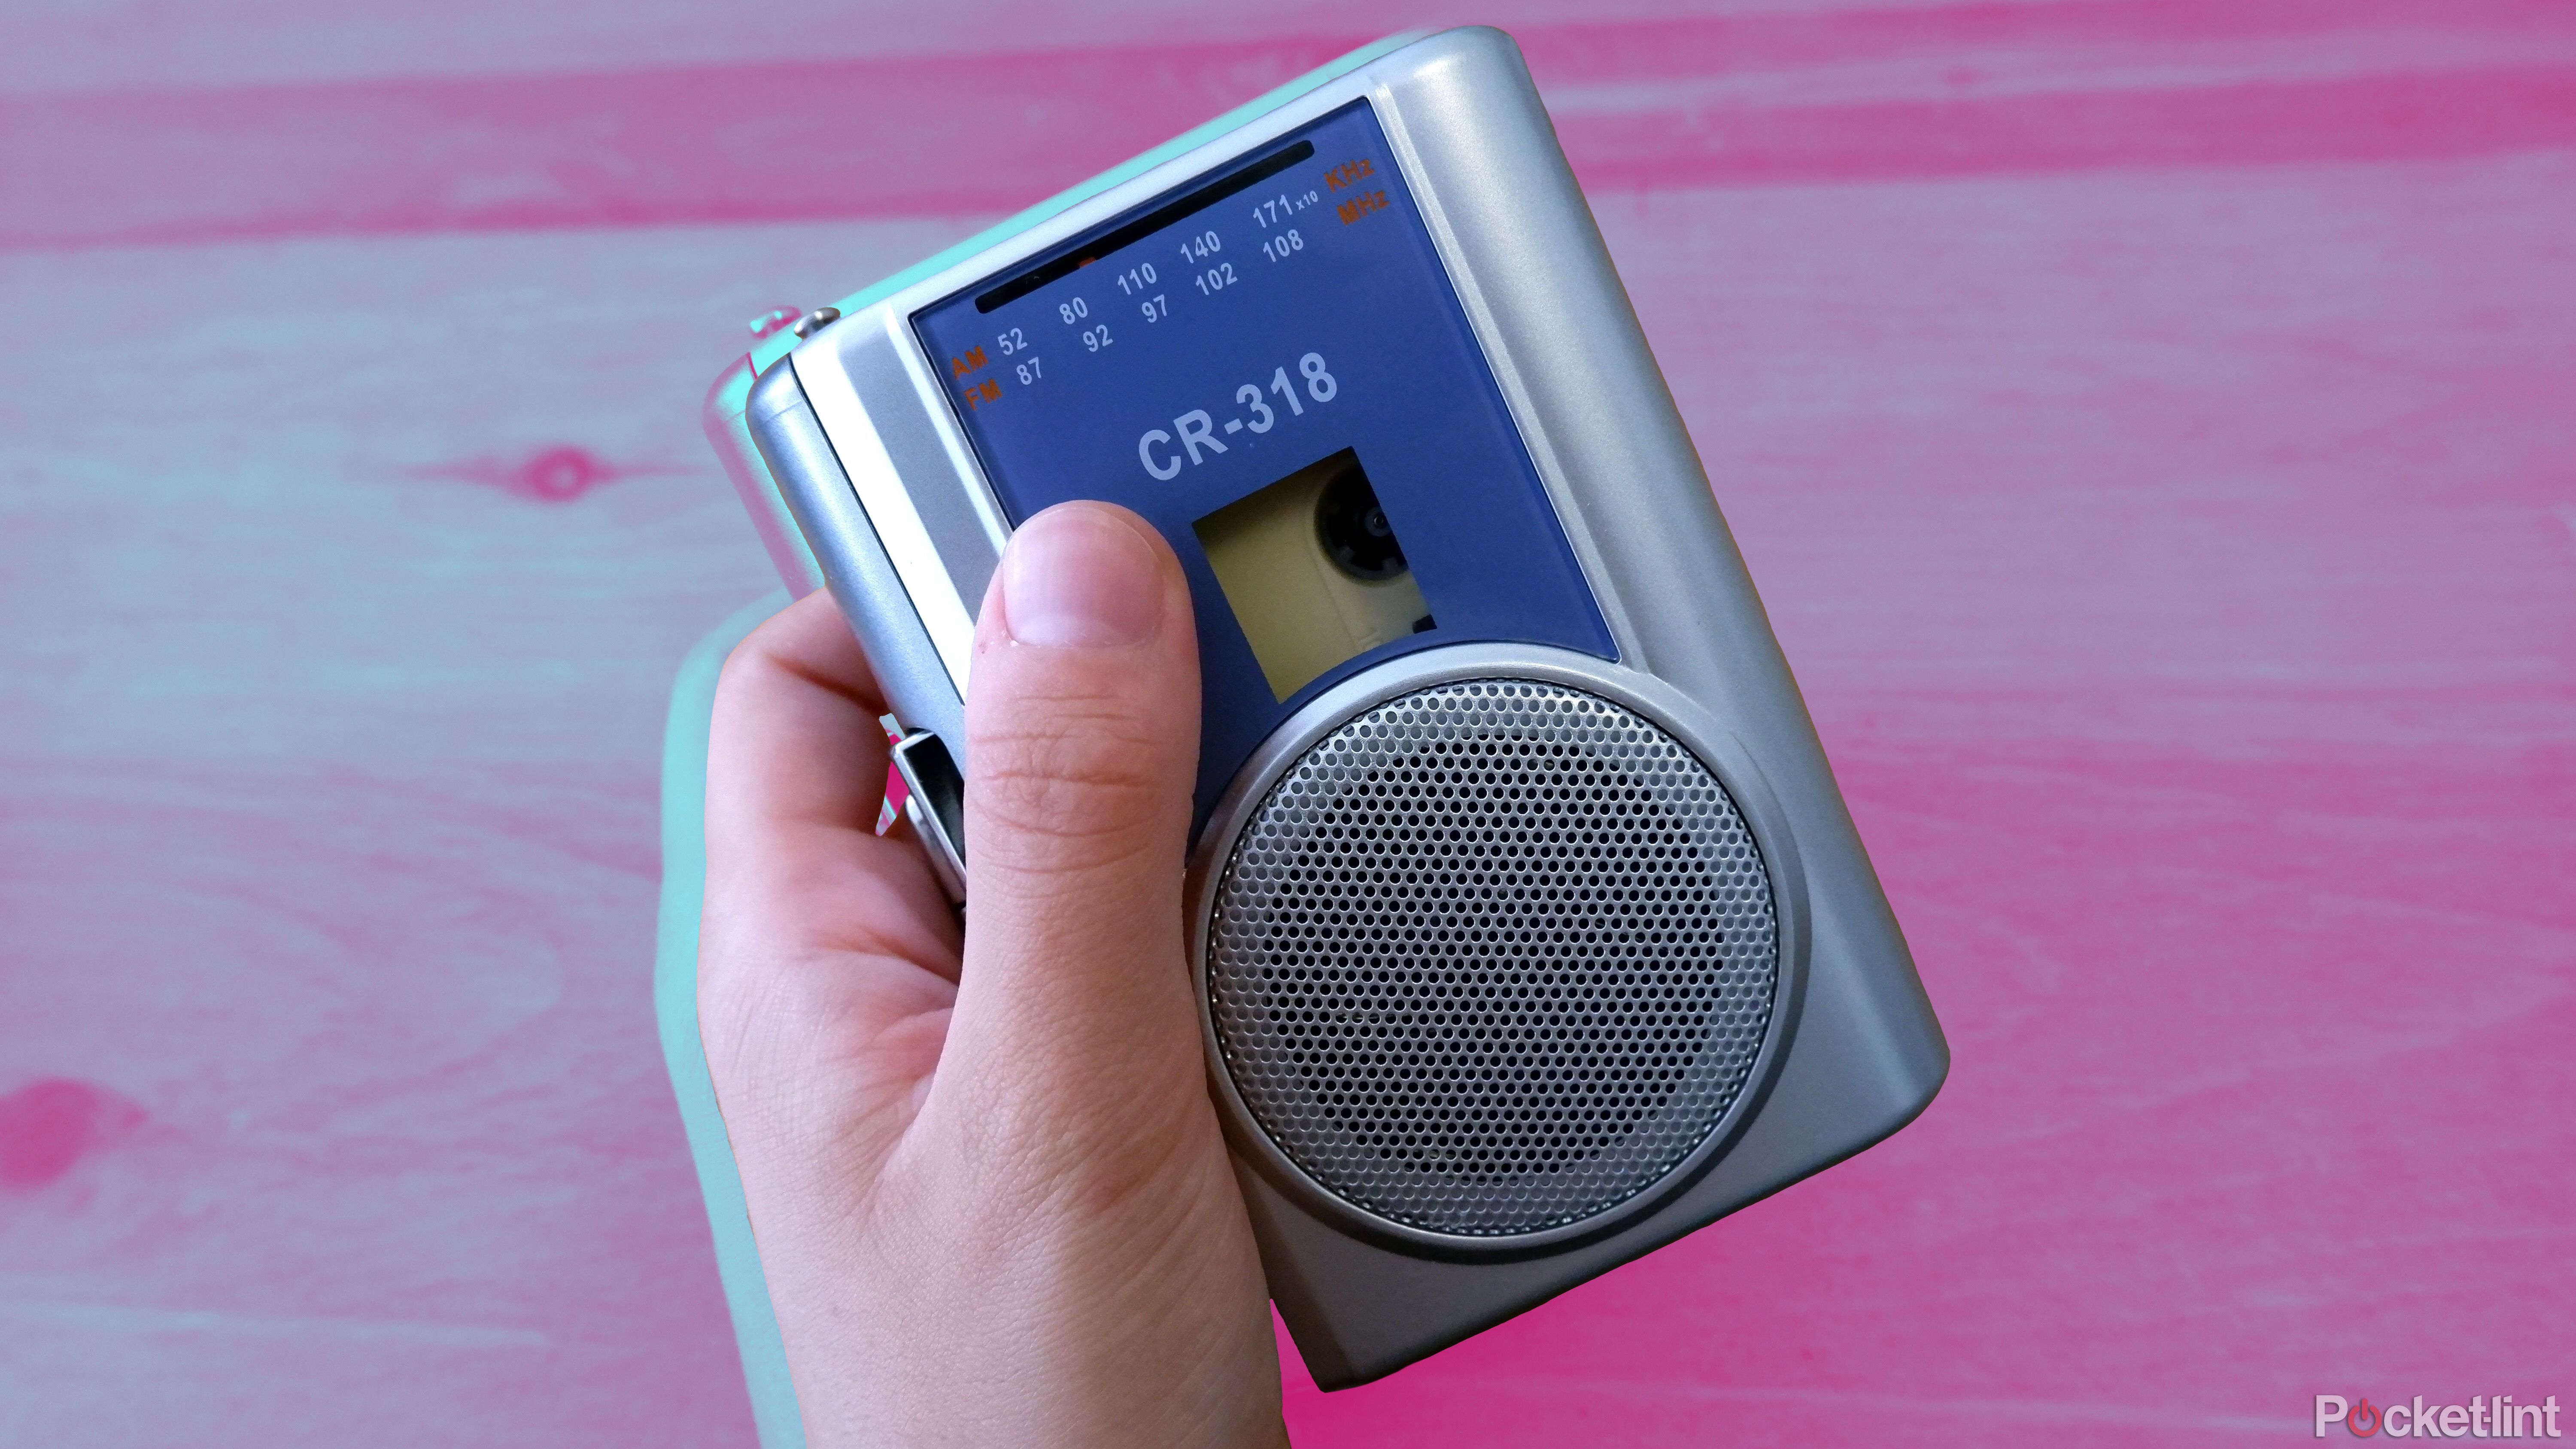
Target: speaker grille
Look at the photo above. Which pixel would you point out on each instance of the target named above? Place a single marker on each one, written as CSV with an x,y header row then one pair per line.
x,y
1492,958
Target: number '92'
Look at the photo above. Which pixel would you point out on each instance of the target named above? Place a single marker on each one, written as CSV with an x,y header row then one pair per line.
x,y
1194,433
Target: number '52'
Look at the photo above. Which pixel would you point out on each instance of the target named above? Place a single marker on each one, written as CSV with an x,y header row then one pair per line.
x,y
1197,431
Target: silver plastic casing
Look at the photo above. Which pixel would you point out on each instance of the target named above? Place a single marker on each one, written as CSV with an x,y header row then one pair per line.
x,y
857,432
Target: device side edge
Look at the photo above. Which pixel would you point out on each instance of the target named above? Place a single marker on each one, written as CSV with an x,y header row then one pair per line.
x,y
853,560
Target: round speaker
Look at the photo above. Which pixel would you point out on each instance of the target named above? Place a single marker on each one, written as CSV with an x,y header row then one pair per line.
x,y
1491,958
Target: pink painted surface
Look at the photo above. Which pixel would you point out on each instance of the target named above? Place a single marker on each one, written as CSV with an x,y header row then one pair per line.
x,y
2150,425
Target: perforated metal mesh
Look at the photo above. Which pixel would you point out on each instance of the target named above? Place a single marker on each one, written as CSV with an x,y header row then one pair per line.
x,y
1492,958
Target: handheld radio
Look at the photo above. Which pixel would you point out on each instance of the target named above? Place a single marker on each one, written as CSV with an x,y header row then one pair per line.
x,y
1531,930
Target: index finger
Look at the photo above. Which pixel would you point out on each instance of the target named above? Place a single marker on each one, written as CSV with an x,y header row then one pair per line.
x,y
796,765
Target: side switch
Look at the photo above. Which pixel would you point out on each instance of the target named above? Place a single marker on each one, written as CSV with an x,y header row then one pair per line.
x,y
935,803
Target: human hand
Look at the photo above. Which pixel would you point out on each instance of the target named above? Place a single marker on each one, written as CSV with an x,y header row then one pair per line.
x,y
992,1203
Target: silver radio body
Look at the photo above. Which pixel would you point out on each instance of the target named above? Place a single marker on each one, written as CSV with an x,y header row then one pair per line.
x,y
1532,934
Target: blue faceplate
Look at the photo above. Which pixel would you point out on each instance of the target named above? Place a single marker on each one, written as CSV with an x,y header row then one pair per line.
x,y
1152,363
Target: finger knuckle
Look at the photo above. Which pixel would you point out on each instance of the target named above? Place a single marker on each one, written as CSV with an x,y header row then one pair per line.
x,y
1073,776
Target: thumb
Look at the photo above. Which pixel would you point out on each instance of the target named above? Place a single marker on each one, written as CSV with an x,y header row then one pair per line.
x,y
1073,1010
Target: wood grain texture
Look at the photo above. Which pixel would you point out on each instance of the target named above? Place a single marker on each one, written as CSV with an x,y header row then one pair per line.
x,y
1640,103
2149,427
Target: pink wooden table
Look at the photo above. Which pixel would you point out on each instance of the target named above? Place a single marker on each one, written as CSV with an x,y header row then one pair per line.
x,y
2153,426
